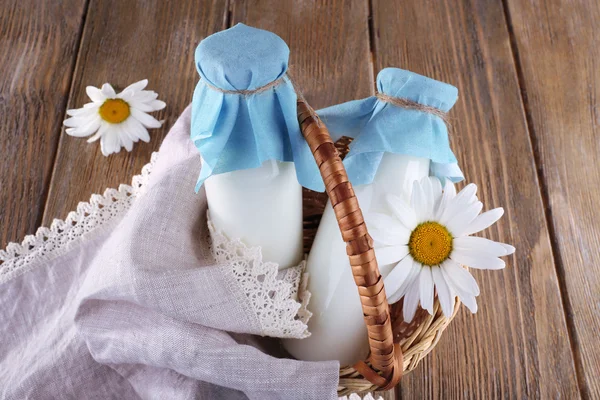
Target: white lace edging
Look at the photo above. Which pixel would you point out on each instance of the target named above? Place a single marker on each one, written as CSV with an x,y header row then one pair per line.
x,y
279,299
16,259
354,396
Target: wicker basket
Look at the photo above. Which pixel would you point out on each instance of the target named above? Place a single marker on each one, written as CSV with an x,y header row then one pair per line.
x,y
396,347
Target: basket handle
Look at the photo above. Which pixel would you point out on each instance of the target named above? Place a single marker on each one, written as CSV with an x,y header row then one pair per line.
x,y
385,357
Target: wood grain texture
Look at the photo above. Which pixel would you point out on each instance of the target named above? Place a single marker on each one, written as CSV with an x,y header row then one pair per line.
x,y
330,59
124,42
38,43
517,345
542,108
329,56
559,55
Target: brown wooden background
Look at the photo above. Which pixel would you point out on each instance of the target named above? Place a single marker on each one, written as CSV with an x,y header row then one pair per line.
x,y
527,128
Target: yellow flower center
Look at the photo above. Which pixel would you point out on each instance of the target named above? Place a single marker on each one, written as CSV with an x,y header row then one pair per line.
x,y
114,111
430,243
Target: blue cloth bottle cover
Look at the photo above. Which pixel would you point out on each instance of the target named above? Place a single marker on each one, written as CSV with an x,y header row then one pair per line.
x,y
234,131
379,127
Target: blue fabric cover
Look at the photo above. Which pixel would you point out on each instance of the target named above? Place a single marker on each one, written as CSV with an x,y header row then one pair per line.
x,y
234,132
378,127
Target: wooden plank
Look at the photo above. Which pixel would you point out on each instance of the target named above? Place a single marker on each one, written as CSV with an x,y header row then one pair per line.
x,y
329,48
517,345
330,59
558,50
124,42
39,42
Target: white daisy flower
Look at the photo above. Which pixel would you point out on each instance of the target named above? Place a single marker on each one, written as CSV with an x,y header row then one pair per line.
x,y
429,242
118,120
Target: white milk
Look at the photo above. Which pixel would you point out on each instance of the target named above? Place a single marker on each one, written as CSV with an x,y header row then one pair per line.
x,y
337,327
262,207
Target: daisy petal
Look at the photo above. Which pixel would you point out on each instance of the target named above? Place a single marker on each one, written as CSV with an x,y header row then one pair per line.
x,y
509,249
450,189
109,143
385,223
127,142
126,95
398,278
137,86
385,238
468,194
448,194
470,302
477,260
413,276
105,145
436,188
95,94
144,135
146,96
123,138
79,121
158,105
460,221
429,200
411,301
426,289
443,291
386,230
418,202
459,278
484,221
404,213
458,203
71,122
465,297
140,105
127,137
147,120
85,111
139,130
87,129
108,91
390,254
481,245
100,133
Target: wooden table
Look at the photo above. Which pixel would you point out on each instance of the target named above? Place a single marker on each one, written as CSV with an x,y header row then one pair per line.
x,y
527,131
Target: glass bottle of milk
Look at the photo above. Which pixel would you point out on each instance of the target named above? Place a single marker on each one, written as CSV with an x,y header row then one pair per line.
x,y
244,124
392,148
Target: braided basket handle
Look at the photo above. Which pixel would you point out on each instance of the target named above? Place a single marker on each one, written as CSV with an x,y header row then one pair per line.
x,y
385,359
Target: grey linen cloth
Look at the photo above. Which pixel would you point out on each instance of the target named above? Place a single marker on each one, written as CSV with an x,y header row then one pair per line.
x,y
135,307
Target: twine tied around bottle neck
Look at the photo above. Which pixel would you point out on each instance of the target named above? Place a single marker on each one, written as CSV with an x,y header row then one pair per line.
x,y
264,88
396,101
246,92
413,105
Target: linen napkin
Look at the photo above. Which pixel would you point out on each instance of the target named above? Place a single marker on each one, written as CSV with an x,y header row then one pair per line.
x,y
125,300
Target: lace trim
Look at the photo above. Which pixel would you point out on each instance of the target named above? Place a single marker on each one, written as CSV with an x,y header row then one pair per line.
x,y
16,259
354,396
278,298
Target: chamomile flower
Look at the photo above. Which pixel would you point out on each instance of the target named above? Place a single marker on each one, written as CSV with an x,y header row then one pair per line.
x,y
118,120
429,242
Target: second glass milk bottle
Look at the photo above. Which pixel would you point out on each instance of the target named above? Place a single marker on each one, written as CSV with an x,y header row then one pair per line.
x,y
392,148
